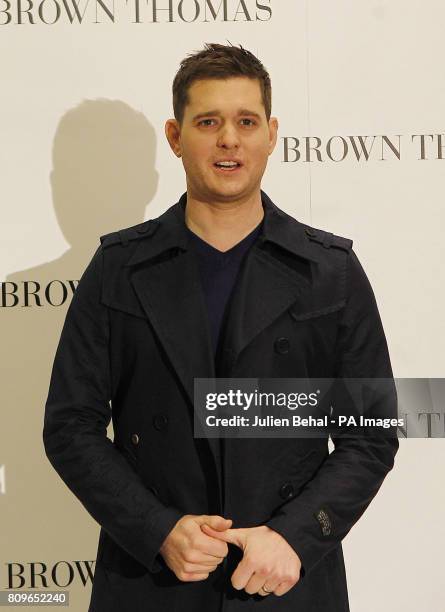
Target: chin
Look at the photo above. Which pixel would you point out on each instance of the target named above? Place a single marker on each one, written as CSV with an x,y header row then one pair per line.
x,y
230,190
229,194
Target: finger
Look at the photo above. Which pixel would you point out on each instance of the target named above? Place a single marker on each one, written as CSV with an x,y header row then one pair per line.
x,y
215,521
198,568
255,583
214,533
229,535
186,577
271,586
242,574
283,588
201,558
211,546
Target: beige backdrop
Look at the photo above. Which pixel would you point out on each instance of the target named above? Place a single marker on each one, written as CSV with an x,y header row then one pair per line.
x,y
83,152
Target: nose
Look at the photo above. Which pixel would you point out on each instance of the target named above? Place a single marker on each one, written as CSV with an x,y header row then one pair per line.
x,y
228,137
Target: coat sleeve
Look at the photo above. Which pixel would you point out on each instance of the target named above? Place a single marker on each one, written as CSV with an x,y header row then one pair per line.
x,y
316,521
77,413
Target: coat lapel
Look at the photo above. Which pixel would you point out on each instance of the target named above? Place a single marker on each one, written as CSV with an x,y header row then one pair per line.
x,y
166,280
276,273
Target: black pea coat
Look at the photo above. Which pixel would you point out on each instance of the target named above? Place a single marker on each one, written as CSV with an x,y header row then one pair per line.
x,y
136,334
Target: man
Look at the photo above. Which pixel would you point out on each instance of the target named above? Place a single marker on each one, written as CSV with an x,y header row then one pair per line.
x,y
222,284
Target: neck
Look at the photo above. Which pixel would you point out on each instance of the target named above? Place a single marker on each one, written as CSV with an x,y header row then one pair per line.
x,y
223,224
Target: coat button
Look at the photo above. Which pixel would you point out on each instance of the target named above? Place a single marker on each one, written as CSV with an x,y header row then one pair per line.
x,y
286,490
282,345
154,491
160,421
135,438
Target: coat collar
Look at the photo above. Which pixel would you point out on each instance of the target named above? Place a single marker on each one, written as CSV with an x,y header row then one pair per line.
x,y
169,231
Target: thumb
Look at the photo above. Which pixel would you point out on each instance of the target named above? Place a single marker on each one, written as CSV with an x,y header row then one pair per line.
x,y
231,536
219,523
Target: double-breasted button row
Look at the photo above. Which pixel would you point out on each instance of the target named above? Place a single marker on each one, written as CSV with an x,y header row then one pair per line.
x,y
160,421
282,345
287,490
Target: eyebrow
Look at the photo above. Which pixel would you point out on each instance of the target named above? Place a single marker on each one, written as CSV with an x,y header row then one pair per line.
x,y
242,112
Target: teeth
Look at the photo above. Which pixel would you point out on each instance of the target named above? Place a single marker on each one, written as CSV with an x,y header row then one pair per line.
x,y
228,164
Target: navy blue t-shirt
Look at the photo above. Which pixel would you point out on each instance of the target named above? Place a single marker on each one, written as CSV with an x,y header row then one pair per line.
x,y
218,272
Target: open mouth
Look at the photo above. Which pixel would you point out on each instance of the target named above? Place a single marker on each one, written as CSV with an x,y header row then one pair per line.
x,y
232,167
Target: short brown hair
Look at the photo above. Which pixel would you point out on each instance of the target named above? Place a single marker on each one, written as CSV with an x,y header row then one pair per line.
x,y
218,61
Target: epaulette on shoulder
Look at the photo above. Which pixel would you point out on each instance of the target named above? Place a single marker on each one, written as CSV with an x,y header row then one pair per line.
x,y
328,239
124,236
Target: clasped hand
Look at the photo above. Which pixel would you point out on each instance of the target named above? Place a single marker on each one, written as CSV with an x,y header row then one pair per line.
x,y
198,544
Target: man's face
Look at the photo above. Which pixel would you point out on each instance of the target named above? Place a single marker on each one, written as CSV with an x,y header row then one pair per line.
x,y
224,120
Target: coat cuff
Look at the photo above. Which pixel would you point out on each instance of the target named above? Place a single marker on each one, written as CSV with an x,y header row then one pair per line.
x,y
309,531
157,530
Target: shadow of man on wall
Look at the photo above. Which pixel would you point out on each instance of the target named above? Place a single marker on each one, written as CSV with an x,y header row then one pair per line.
x,y
102,179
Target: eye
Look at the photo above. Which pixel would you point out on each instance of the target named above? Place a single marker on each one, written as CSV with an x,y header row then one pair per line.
x,y
203,120
251,121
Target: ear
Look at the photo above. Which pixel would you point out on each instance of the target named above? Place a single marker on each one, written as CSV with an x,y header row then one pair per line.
x,y
173,135
273,133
